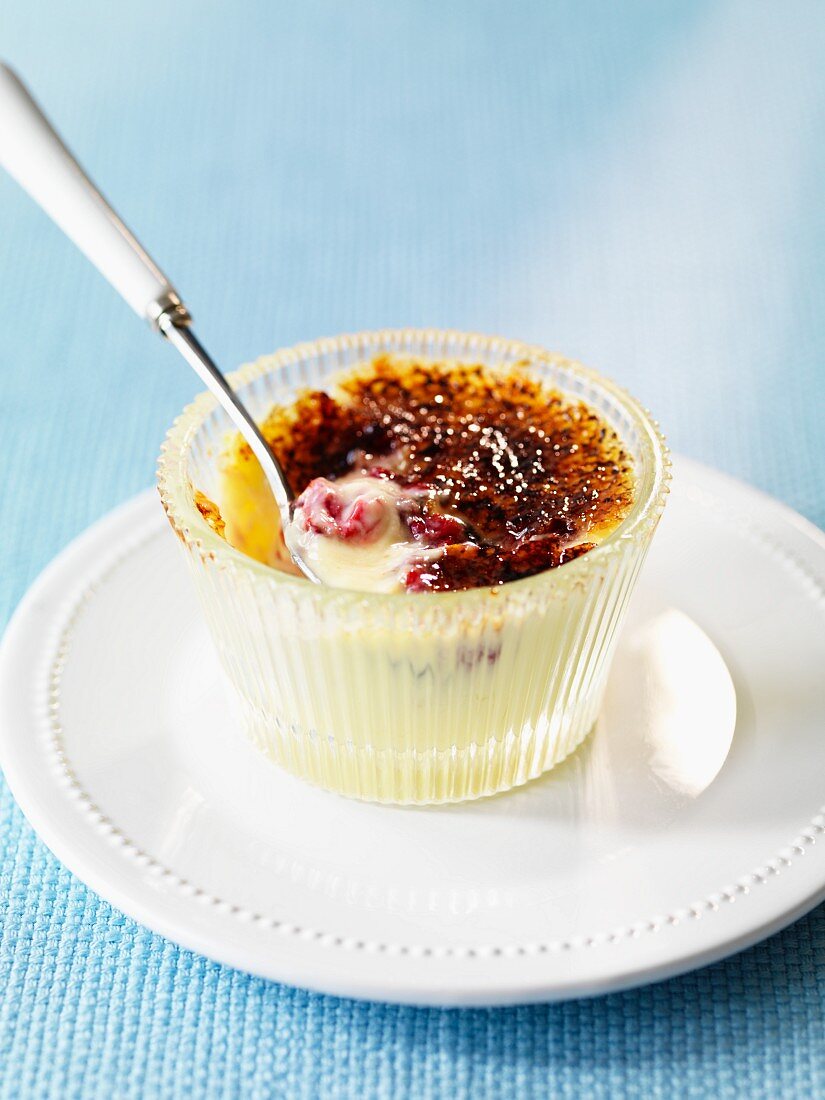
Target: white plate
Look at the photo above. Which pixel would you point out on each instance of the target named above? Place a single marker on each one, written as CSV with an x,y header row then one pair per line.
x,y
667,841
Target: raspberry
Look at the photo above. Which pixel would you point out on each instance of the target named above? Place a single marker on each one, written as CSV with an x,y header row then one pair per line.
x,y
435,529
421,577
327,512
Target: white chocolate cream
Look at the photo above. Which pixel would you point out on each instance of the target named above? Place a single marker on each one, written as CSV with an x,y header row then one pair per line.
x,y
351,534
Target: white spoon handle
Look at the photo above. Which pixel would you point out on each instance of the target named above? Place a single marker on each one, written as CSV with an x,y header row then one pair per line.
x,y
34,155
32,152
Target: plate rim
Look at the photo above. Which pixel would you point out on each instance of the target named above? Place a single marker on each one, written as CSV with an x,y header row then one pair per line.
x,y
39,608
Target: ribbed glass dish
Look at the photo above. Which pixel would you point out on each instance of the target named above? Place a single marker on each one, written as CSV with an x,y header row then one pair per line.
x,y
412,698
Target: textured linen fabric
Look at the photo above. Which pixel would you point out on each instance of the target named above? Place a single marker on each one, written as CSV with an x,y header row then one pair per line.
x,y
637,184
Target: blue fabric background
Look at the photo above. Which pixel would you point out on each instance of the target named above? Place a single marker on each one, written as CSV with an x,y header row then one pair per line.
x,y
637,184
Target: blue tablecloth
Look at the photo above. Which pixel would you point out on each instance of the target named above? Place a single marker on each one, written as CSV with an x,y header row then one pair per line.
x,y
637,184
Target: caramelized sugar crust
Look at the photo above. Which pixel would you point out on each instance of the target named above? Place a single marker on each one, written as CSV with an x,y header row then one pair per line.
x,y
210,512
533,474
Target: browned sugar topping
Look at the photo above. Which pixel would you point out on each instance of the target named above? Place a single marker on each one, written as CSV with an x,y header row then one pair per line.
x,y
210,512
529,470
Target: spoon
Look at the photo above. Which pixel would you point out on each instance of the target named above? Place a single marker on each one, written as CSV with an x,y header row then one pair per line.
x,y
32,152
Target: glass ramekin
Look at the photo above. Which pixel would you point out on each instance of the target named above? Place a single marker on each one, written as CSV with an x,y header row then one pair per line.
x,y
412,698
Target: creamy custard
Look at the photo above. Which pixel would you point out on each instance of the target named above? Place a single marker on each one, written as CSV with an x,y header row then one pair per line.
x,y
430,476
352,533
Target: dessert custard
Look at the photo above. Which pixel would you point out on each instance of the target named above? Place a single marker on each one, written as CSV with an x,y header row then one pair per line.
x,y
448,470
422,475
